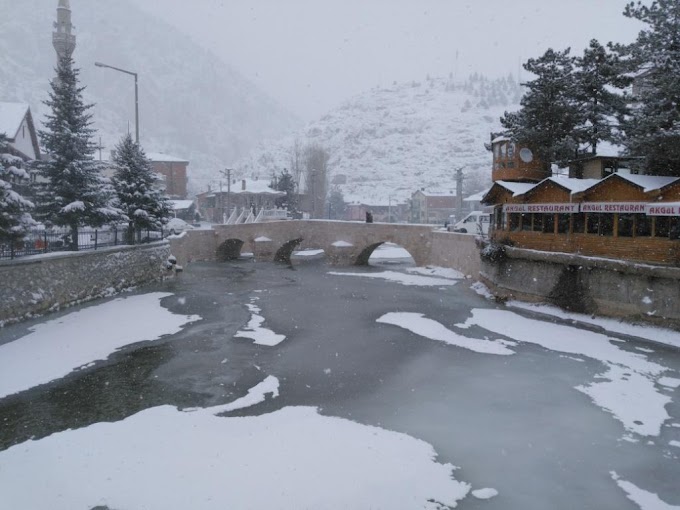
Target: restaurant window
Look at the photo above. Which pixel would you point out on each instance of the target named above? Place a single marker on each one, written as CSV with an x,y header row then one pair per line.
x,y
601,224
606,225
513,220
662,227
526,221
593,223
511,164
579,223
511,150
538,222
643,226
549,223
626,224
563,221
675,228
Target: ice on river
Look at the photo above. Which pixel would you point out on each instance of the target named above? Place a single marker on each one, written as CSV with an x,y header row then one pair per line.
x,y
166,459
402,278
256,395
628,388
55,348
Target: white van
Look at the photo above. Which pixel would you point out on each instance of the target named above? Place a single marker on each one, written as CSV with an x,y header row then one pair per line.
x,y
476,222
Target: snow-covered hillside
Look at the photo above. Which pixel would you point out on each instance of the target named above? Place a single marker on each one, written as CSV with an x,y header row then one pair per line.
x,y
393,141
191,104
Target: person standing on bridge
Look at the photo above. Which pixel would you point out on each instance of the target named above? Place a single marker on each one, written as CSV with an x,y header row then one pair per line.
x,y
369,217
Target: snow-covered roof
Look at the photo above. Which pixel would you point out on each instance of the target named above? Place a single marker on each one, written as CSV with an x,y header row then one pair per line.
x,y
574,185
179,205
253,187
11,117
516,188
647,182
164,158
477,197
501,139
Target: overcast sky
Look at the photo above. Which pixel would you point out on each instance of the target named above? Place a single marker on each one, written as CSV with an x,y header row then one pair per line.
x,y
310,55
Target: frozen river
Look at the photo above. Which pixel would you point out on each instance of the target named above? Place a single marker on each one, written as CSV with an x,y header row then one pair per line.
x,y
254,386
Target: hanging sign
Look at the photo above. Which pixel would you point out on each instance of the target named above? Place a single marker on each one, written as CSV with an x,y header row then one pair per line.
x,y
613,207
565,208
663,209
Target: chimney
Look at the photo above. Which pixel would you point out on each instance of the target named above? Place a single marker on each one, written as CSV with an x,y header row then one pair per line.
x,y
243,185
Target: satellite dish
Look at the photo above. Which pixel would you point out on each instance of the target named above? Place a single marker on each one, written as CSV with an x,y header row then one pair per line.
x,y
526,155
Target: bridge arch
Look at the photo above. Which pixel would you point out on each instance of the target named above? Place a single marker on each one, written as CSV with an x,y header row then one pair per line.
x,y
229,250
364,257
284,253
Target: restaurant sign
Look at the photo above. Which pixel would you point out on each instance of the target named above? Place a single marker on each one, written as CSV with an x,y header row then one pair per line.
x,y
613,207
541,208
661,209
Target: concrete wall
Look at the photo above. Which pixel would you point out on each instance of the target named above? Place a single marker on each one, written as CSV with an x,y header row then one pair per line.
x,y
586,284
456,251
35,285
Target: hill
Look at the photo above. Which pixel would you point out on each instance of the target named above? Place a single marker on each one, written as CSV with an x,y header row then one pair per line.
x,y
393,141
191,104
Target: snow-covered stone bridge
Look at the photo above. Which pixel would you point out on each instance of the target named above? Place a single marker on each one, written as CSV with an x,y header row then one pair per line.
x,y
344,243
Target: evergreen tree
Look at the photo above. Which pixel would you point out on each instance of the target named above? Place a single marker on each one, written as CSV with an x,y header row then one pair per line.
x,y
15,219
337,205
653,128
144,205
548,114
286,183
598,74
77,194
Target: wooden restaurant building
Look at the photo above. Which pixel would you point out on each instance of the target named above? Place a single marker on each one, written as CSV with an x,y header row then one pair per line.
x,y
622,216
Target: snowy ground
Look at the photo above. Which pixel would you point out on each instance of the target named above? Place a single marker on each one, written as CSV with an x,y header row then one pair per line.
x,y
325,389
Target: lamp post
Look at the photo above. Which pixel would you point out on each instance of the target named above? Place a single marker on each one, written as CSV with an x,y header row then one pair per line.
x,y
99,64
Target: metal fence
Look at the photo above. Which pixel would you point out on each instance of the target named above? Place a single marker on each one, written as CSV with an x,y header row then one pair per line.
x,y
44,241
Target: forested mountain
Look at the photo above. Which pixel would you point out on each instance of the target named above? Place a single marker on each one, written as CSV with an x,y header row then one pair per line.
x,y
392,141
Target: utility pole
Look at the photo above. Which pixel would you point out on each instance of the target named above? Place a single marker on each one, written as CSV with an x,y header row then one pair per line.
x,y
459,193
221,208
389,210
227,173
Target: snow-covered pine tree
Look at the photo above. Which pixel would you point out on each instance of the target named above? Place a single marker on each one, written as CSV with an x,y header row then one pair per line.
x,y
597,77
15,218
77,194
653,128
144,205
286,182
548,114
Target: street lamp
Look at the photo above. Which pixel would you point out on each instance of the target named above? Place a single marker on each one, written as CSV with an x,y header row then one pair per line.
x,y
99,64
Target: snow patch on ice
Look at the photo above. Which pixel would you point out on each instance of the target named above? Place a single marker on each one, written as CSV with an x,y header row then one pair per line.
x,y
485,493
420,325
674,443
642,498
482,290
651,333
402,278
256,395
262,240
308,253
441,272
55,348
627,390
255,331
163,458
670,382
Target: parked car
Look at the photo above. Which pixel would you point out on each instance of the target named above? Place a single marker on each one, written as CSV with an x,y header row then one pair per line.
x,y
177,226
476,222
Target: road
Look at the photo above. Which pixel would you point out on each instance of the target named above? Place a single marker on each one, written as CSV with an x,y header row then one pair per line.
x,y
547,413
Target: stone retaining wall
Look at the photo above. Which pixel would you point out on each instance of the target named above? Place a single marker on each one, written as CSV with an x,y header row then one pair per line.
x,y
38,284
587,284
